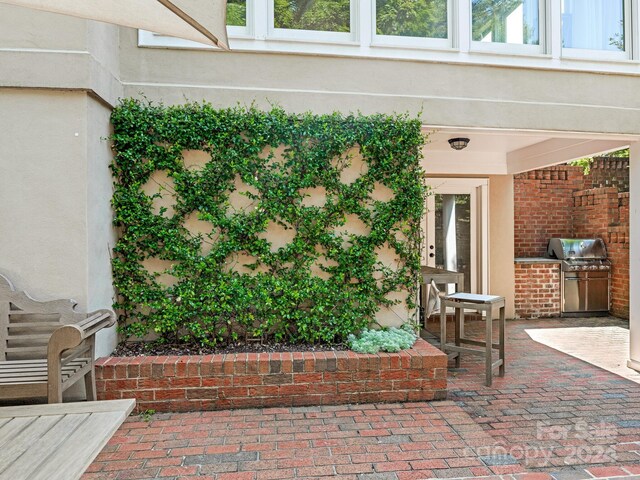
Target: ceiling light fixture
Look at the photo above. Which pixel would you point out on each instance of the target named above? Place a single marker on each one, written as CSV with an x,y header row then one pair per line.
x,y
459,143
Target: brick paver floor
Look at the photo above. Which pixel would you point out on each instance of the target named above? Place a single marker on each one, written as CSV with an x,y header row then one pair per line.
x,y
551,416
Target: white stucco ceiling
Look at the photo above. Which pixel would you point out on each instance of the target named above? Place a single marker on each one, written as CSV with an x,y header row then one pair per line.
x,y
498,152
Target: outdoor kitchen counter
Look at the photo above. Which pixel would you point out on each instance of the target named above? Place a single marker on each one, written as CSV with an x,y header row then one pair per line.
x,y
536,260
537,287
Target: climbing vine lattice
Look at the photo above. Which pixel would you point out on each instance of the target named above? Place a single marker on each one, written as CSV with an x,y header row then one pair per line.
x,y
240,223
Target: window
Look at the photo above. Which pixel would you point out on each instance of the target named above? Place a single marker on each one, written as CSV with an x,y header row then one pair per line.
x,y
593,25
316,15
514,22
237,13
328,21
412,18
602,32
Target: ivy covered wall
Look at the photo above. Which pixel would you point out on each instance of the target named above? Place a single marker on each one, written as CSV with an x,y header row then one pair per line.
x,y
244,224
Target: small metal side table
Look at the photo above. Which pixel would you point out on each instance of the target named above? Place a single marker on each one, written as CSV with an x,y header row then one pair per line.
x,y
492,305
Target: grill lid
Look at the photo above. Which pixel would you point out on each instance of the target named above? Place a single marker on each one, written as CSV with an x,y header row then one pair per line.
x,y
577,248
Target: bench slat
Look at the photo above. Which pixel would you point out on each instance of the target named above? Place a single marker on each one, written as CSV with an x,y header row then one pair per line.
x,y
26,350
22,312
5,373
33,325
20,379
28,337
8,365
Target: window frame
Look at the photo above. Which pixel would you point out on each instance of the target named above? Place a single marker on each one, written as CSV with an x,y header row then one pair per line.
x,y
630,36
314,36
379,40
515,48
459,48
248,30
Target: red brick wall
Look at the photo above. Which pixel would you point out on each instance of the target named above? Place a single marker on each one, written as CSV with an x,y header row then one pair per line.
x,y
543,207
561,202
214,382
618,243
623,208
604,213
543,203
594,211
618,250
537,290
608,172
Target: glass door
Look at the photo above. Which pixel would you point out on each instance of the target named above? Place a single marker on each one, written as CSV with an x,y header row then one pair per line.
x,y
456,230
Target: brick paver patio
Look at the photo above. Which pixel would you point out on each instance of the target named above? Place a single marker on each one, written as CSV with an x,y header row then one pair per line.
x,y
552,416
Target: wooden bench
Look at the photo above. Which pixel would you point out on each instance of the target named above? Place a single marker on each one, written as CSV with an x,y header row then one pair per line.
x,y
45,347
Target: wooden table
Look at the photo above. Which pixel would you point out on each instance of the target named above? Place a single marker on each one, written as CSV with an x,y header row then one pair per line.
x,y
439,276
56,441
492,305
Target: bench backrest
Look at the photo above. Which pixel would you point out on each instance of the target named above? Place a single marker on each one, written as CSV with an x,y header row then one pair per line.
x,y
26,324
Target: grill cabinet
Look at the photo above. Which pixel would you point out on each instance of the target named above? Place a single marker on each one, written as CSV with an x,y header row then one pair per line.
x,y
585,275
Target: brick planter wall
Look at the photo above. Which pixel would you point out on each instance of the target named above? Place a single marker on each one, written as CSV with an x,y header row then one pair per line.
x,y
213,382
537,292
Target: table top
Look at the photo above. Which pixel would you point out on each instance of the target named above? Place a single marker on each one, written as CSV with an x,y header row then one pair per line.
x,y
441,275
474,298
56,441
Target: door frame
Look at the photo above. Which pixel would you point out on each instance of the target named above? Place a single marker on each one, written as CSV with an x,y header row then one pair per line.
x,y
478,189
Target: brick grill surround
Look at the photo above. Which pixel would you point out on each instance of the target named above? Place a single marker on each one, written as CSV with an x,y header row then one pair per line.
x,y
537,290
562,202
225,381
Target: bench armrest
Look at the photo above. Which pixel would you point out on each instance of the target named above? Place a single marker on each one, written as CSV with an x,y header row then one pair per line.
x,y
69,337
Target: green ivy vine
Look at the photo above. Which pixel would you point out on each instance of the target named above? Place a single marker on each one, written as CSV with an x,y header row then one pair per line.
x,y
277,295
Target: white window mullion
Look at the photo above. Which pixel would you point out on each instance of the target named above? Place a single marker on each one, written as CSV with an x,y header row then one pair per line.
x,y
629,38
367,23
632,30
262,19
554,20
462,23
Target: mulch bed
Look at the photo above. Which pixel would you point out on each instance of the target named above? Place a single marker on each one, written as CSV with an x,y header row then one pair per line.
x,y
137,349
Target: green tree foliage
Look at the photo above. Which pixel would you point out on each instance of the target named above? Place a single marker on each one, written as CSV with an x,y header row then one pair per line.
x,y
490,17
237,13
617,40
412,18
243,286
322,15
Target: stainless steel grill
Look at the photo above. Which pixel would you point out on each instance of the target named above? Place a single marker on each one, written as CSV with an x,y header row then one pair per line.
x,y
584,274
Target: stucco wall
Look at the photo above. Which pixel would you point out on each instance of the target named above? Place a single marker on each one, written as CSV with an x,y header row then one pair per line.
x,y
51,51
100,235
447,93
43,216
501,244
55,189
